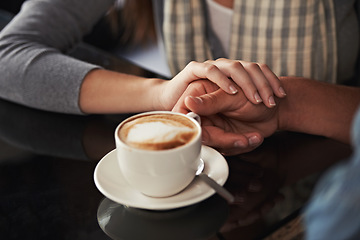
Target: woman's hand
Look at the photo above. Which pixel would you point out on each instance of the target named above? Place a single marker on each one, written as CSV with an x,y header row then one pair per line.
x,y
230,123
257,81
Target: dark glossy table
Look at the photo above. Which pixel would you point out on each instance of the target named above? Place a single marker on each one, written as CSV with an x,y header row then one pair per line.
x,y
47,191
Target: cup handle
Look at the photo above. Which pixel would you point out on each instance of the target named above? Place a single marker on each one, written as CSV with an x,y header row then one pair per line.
x,y
194,116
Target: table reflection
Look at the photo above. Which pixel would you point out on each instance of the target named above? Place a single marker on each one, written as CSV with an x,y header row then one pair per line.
x,y
199,221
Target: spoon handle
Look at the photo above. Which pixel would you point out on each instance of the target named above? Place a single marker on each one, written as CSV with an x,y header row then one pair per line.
x,y
218,188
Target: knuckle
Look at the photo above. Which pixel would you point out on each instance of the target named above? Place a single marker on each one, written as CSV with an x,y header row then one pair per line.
x,y
221,59
252,66
192,64
210,68
264,66
235,64
266,91
265,85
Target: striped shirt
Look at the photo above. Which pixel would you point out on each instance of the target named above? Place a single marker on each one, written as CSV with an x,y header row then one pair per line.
x,y
295,38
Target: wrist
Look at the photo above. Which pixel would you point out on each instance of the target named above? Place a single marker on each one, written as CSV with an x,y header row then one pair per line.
x,y
318,108
105,91
284,106
293,108
156,96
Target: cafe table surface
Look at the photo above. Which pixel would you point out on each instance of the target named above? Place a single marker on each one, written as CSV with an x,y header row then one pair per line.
x,y
47,188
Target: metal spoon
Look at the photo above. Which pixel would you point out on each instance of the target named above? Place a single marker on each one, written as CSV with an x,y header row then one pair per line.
x,y
212,183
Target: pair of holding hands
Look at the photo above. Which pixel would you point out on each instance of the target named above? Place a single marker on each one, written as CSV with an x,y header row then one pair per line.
x,y
236,101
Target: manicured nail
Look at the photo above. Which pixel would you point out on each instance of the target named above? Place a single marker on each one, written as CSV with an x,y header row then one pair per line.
x,y
282,91
272,101
257,97
254,140
232,89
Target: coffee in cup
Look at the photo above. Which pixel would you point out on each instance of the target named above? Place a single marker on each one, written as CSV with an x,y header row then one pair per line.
x,y
159,152
158,131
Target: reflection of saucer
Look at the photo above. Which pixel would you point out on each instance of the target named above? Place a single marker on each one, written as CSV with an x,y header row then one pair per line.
x,y
198,221
111,183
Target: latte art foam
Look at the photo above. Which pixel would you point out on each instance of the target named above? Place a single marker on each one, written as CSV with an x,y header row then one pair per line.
x,y
158,132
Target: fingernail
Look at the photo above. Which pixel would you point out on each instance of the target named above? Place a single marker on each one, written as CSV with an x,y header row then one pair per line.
x,y
240,144
272,101
257,97
232,89
254,140
282,91
197,100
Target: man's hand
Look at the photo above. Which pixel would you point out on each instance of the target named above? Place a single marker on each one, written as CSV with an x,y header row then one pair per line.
x,y
230,123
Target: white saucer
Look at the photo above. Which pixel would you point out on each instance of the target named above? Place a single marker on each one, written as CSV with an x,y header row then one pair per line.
x,y
110,182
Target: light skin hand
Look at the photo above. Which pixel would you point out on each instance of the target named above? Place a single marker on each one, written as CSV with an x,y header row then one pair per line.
x,y
231,123
257,81
105,91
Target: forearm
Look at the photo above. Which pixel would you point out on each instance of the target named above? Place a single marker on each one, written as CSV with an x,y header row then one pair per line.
x,y
34,70
106,91
318,108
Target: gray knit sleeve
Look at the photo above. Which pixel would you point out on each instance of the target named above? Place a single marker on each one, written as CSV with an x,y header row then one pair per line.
x,y
34,68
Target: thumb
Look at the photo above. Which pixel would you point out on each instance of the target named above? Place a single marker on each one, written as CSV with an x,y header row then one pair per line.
x,y
212,103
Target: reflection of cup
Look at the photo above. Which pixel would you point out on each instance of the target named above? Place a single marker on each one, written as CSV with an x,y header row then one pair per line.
x,y
159,152
198,221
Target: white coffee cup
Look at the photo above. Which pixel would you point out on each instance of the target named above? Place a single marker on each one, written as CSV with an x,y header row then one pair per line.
x,y
160,172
